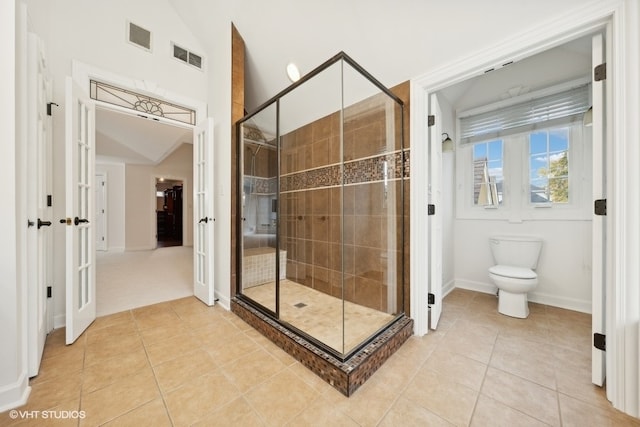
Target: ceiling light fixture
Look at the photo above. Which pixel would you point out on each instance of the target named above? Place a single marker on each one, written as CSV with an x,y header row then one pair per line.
x,y
292,72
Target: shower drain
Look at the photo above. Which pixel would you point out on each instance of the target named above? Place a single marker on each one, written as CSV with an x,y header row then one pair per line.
x,y
300,305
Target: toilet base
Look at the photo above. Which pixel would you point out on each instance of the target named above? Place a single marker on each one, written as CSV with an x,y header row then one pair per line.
x,y
514,305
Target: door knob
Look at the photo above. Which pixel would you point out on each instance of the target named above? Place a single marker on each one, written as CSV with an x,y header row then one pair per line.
x,y
205,220
77,221
43,223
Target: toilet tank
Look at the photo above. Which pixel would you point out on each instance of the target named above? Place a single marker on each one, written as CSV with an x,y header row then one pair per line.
x,y
518,251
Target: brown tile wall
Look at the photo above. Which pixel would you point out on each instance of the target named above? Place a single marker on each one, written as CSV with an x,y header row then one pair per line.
x,y
315,210
311,220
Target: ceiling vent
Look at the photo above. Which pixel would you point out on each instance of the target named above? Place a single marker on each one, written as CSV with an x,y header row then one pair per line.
x,y
139,36
186,56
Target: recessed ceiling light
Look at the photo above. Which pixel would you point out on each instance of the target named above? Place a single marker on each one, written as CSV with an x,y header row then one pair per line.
x,y
292,72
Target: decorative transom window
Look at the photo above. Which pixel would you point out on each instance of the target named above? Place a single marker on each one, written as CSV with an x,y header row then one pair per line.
x,y
141,103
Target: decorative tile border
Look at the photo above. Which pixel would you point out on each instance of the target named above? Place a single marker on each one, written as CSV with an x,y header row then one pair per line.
x,y
346,376
370,169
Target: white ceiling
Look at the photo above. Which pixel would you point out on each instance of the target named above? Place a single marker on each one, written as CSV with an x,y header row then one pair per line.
x,y
394,41
132,139
558,65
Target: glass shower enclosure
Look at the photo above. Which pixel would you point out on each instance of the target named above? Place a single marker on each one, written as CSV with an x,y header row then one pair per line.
x,y
320,211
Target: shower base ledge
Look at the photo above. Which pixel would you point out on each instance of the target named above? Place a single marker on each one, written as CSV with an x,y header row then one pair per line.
x,y
345,376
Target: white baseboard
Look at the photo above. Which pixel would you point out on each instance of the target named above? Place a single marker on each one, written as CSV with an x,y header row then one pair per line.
x,y
560,302
15,394
537,297
116,249
140,248
448,287
223,301
485,288
59,321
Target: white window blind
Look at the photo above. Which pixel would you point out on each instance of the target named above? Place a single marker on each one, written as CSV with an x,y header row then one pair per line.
x,y
546,111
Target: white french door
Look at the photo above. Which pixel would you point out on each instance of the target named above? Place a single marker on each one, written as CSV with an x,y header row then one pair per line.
x,y
203,212
39,210
435,218
80,240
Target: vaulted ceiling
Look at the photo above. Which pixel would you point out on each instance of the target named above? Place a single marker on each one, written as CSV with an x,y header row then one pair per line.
x,y
132,139
394,41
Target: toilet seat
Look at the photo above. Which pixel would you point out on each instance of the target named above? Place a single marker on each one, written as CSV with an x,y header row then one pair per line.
x,y
513,272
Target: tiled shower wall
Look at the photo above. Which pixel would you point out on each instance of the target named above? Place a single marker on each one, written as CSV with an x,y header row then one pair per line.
x,y
352,233
314,212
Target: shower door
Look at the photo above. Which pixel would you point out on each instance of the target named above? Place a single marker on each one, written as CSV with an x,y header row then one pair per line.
x,y
258,209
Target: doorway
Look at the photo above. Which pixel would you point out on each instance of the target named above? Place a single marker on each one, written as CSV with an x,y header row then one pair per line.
x,y
431,86
149,258
169,212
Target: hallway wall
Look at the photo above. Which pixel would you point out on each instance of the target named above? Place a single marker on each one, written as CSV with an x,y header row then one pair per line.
x,y
115,204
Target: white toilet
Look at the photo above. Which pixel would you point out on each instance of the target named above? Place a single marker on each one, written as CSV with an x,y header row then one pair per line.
x,y
516,258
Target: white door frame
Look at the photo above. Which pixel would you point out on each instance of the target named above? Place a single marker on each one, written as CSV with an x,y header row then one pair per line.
x,y
622,339
83,74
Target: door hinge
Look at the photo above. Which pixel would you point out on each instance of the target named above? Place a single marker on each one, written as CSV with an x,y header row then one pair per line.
x,y
431,209
431,299
431,120
49,104
48,291
599,341
600,72
600,207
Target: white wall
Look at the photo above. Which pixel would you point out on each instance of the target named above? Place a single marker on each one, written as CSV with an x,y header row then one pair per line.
x,y
564,267
115,206
94,33
140,198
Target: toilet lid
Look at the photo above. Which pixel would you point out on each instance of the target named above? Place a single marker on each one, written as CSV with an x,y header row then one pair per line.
x,y
514,272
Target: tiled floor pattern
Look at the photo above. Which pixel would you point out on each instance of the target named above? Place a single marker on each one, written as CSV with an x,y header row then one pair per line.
x,y
181,363
321,315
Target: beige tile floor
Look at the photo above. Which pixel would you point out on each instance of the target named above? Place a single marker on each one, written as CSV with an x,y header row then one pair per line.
x,y
181,363
341,325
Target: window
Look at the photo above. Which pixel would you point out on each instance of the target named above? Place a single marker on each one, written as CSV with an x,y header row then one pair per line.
x,y
549,166
526,158
487,173
187,56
